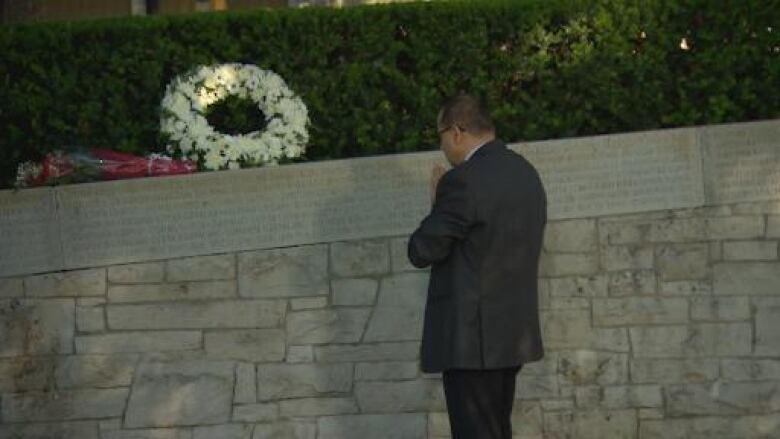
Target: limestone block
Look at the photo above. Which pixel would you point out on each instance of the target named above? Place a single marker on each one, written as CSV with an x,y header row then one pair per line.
x,y
198,314
360,258
636,396
277,381
285,272
720,308
96,371
286,430
686,287
571,236
568,264
147,272
589,367
201,268
180,394
368,352
317,407
36,327
676,230
632,282
527,420
58,430
387,426
386,371
773,226
308,303
711,427
673,370
735,227
619,232
264,412
767,325
705,339
300,354
90,319
63,405
746,278
750,251
78,283
400,396
627,257
354,292
252,345
229,431
398,315
639,311
579,286
11,288
682,262
148,433
340,325
141,341
246,384
221,289
748,369
723,398
27,373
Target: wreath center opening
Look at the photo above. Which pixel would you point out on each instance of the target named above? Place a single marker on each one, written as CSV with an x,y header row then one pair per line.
x,y
235,115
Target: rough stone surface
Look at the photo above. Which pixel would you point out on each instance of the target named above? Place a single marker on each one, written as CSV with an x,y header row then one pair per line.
x,y
141,341
198,314
254,345
220,289
639,311
354,292
64,405
767,325
339,325
706,339
747,278
202,268
291,272
149,272
36,327
78,283
396,426
682,262
750,251
180,394
360,258
571,236
279,381
398,315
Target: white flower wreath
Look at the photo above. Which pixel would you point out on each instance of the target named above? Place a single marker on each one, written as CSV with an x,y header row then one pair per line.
x,y
188,96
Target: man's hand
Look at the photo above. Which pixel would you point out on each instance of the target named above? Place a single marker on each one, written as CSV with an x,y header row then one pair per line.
x,y
436,173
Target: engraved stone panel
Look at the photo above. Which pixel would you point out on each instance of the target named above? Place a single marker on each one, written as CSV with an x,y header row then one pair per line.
x,y
29,233
741,162
618,173
135,220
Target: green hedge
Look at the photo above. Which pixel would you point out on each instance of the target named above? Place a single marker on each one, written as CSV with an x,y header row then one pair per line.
x,y
373,76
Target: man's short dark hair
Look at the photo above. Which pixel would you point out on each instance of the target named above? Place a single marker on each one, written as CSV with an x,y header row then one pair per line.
x,y
466,112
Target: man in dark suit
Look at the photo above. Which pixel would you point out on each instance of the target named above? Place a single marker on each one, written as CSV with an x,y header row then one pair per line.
x,y
483,238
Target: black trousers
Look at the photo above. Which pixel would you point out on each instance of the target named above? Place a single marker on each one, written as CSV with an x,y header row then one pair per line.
x,y
479,402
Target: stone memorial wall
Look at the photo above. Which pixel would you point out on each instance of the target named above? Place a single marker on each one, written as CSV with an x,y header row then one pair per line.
x,y
278,302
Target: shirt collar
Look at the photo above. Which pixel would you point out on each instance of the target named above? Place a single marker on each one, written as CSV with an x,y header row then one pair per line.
x,y
473,150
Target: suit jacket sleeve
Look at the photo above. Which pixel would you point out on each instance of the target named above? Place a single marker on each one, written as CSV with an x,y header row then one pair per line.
x,y
449,221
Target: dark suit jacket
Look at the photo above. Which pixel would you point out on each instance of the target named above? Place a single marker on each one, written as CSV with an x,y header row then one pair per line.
x,y
483,239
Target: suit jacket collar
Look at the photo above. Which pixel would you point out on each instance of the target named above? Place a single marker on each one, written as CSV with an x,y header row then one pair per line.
x,y
489,148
